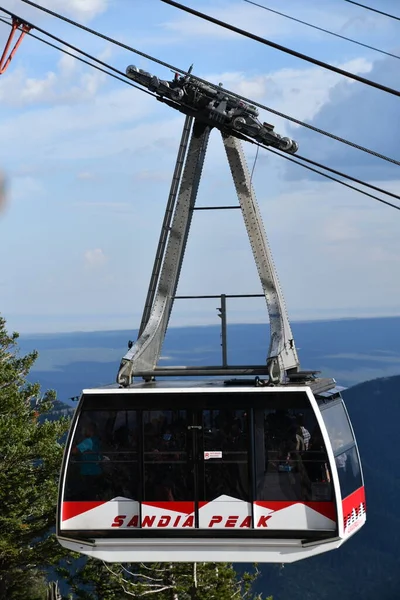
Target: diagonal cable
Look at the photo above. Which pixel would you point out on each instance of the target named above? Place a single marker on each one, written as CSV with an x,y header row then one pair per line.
x,y
342,37
183,72
375,10
285,49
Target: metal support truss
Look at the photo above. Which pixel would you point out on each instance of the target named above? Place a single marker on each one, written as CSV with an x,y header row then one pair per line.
x,y
282,355
143,356
177,176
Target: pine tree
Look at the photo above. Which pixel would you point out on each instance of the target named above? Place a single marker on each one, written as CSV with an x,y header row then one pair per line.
x,y
177,581
30,458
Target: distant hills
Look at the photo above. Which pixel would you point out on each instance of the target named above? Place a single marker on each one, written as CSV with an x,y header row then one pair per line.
x,y
367,566
351,350
60,409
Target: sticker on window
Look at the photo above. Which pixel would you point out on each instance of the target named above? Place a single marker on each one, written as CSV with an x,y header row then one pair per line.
x,y
212,454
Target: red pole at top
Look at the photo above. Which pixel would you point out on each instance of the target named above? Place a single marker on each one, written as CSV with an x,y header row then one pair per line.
x,y
4,60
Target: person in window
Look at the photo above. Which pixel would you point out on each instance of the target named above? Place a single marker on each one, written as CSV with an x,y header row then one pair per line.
x,y
303,431
88,451
341,462
318,461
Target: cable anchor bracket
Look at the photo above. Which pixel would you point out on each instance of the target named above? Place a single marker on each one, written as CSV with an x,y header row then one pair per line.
x,y
7,56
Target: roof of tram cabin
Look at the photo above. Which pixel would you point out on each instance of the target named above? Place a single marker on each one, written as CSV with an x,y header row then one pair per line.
x,y
325,386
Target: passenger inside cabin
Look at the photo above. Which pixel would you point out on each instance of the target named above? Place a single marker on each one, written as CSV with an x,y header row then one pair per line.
x,y
304,432
90,472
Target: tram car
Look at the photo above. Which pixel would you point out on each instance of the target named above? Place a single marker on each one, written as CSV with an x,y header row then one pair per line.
x,y
210,471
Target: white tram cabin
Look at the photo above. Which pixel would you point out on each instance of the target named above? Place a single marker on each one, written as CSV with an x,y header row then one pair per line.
x,y
207,471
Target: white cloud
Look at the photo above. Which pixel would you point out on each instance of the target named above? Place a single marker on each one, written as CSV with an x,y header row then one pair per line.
x,y
153,175
69,85
105,154
338,229
95,258
101,127
365,116
78,9
296,92
86,176
262,22
25,188
108,208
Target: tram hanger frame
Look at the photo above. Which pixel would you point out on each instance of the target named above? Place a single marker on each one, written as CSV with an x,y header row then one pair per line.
x,y
141,360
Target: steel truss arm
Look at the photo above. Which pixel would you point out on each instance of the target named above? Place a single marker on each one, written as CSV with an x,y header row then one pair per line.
x,y
144,354
282,355
176,179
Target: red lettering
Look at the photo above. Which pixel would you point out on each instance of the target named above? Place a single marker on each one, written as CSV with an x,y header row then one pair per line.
x,y
134,521
177,521
188,522
164,521
262,521
214,520
246,522
118,521
148,521
231,521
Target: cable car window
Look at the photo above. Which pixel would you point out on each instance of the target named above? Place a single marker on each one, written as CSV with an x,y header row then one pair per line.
x,y
343,445
104,457
349,471
167,473
338,426
224,455
291,458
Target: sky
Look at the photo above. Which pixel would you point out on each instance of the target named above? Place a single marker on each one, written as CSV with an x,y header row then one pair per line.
x,y
88,162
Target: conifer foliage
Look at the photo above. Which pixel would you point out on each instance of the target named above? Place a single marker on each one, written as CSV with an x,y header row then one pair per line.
x,y
95,580
30,457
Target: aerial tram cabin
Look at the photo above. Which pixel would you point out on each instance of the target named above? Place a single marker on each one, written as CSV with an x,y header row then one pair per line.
x,y
261,468
210,471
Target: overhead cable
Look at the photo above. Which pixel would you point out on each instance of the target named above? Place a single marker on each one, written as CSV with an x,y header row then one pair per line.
x,y
86,62
60,41
343,37
352,187
183,72
301,158
350,177
284,49
375,10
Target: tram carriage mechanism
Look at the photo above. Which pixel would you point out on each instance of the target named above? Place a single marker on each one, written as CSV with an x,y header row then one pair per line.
x,y
260,465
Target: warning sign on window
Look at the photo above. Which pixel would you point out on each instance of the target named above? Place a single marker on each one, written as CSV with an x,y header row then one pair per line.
x,y
212,454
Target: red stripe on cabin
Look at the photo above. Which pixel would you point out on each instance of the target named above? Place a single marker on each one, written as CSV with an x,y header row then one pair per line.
x,y
180,507
354,501
73,509
327,509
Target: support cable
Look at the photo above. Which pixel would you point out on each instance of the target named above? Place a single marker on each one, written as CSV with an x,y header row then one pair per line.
x,y
352,187
86,62
284,49
375,10
149,93
343,37
75,48
183,72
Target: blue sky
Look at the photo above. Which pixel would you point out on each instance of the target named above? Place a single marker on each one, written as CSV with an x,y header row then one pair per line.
x,y
88,162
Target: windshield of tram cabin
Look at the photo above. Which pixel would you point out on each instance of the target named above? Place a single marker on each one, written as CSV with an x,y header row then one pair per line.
x,y
338,426
343,445
216,448
291,459
104,457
